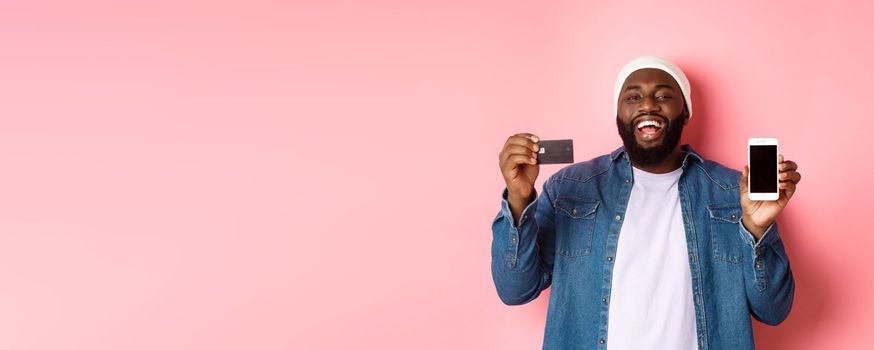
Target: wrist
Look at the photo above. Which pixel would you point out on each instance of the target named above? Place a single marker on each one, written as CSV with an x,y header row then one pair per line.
x,y
517,205
518,201
756,230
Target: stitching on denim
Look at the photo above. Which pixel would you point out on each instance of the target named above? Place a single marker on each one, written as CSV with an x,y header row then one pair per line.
x,y
712,179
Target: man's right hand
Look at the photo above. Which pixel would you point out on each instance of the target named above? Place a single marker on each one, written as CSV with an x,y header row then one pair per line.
x,y
518,162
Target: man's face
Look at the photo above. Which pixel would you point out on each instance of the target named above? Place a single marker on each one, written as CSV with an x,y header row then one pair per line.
x,y
651,115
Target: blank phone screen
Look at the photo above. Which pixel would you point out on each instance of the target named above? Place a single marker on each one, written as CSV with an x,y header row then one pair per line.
x,y
763,169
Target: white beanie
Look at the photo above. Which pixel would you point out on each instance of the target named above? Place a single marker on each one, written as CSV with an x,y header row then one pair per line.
x,y
657,63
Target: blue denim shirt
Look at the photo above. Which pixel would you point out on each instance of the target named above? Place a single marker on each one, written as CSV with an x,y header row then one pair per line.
x,y
566,238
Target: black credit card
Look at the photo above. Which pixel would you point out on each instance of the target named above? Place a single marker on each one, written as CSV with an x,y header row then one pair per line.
x,y
555,151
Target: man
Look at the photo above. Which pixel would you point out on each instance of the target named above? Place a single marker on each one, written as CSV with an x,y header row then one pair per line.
x,y
649,247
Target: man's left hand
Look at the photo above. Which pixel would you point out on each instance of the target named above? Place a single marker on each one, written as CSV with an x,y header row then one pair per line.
x,y
758,215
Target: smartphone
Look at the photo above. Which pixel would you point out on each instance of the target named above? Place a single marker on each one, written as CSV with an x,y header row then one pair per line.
x,y
762,158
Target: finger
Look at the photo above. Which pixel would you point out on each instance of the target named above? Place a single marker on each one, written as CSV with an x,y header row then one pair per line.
x,y
788,188
780,158
532,137
511,150
511,161
517,159
743,180
790,176
522,141
788,166
517,149
521,151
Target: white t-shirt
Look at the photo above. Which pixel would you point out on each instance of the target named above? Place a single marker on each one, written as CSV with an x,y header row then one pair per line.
x,y
651,303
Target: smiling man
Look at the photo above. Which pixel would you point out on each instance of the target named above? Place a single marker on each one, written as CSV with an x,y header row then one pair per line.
x,y
648,247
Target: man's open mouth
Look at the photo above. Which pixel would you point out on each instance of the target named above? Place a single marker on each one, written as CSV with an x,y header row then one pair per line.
x,y
649,129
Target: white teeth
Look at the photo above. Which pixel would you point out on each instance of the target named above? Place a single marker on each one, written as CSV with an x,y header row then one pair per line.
x,y
649,123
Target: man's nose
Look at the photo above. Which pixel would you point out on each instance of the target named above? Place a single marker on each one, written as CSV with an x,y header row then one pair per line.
x,y
648,104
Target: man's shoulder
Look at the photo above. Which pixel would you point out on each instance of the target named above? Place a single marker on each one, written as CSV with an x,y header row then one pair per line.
x,y
724,176
584,171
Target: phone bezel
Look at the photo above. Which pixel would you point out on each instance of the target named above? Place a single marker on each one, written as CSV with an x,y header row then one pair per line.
x,y
763,196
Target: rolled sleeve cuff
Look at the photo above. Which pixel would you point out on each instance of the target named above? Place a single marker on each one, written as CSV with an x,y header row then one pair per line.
x,y
766,240
526,213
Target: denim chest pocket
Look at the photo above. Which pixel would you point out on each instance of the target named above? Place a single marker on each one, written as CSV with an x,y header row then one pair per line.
x,y
724,232
575,225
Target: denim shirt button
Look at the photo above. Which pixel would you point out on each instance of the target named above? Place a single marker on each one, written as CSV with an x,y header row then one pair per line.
x,y
618,217
603,300
600,341
609,258
627,180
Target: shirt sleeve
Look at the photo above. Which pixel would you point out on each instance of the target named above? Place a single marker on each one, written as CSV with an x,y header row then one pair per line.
x,y
522,255
770,287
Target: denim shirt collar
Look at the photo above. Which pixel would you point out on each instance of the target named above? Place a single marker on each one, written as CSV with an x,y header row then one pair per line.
x,y
687,149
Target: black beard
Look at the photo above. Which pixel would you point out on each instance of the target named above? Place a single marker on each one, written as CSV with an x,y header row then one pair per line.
x,y
646,156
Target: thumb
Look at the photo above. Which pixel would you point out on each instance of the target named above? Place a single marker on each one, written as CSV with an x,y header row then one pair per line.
x,y
743,180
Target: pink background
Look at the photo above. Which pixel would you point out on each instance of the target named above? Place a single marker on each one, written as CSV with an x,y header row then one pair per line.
x,y
323,174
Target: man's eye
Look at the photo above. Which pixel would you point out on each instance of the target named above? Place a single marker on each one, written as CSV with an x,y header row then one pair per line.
x,y
633,98
662,98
